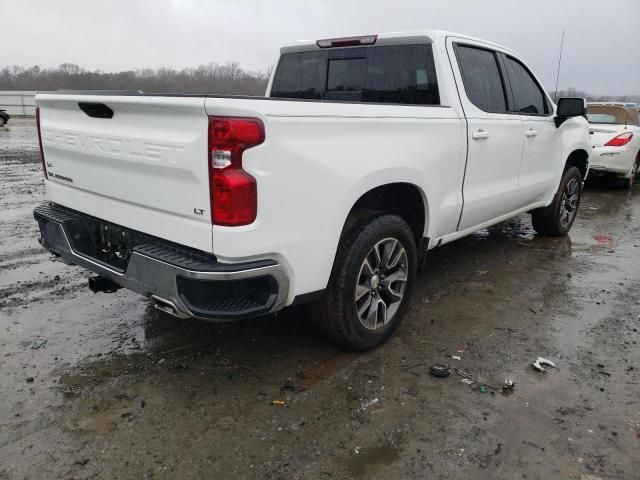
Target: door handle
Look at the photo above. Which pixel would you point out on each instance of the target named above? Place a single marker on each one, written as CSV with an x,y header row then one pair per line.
x,y
480,134
531,133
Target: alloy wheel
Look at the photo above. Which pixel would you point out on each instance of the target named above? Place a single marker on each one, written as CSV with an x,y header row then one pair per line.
x,y
381,283
569,204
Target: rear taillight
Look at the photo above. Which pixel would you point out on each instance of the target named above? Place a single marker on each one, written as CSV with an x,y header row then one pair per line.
x,y
620,140
42,162
233,192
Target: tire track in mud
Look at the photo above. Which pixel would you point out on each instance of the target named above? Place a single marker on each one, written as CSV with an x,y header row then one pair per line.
x,y
27,293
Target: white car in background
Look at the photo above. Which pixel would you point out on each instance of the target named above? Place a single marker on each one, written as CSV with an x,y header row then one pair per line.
x,y
615,136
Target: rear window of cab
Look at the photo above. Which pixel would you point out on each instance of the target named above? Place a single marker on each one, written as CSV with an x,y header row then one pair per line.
x,y
396,74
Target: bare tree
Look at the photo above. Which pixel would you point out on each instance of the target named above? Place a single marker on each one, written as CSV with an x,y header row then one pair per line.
x,y
205,79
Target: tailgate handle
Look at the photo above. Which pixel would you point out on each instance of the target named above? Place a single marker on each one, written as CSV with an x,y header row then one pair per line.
x,y
96,110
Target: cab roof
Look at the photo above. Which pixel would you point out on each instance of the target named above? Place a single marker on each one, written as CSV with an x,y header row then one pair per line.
x,y
387,38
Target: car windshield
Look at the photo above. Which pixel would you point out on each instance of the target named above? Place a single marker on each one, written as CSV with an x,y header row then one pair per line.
x,y
610,114
601,118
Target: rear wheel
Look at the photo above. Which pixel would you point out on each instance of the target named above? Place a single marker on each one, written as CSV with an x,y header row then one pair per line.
x,y
633,176
371,282
556,219
3,120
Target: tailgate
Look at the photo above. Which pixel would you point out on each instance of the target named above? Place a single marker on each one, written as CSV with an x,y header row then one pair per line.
x,y
145,167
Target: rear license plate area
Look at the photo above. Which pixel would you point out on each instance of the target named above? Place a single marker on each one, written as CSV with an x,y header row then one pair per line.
x,y
104,242
113,245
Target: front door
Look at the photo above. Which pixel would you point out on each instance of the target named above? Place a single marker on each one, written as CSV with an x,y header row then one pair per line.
x,y
540,159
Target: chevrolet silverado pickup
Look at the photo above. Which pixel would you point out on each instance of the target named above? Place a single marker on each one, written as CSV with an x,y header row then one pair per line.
x,y
365,153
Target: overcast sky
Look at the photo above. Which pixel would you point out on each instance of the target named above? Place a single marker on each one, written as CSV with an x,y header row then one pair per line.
x,y
601,54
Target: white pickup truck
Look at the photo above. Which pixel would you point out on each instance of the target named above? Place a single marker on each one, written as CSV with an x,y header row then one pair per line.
x,y
365,153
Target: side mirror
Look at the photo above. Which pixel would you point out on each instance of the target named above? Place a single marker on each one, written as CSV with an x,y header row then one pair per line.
x,y
570,107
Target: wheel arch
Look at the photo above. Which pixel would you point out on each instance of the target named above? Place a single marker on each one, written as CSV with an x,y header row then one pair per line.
x,y
579,158
404,199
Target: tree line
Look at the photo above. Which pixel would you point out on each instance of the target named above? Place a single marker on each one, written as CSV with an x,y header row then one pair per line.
x,y
572,92
213,78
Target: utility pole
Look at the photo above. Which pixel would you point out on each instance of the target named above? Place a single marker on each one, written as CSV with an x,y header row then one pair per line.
x,y
555,96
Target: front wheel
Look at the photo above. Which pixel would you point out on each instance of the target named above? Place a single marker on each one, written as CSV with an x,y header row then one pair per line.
x,y
556,219
371,282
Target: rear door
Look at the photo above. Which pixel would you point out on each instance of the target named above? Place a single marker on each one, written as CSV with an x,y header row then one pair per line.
x,y
494,135
541,162
137,161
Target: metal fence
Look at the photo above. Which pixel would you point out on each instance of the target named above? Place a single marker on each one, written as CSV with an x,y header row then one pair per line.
x,y
18,102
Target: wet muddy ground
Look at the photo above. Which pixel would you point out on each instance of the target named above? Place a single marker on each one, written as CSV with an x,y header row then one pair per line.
x,y
103,386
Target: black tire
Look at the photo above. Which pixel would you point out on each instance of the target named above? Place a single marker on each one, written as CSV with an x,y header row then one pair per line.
x,y
634,172
553,220
3,120
335,313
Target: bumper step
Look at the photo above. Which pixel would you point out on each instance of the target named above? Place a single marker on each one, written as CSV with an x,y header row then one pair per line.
x,y
193,283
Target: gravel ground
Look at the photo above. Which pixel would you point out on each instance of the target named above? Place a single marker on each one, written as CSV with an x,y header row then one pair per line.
x,y
103,386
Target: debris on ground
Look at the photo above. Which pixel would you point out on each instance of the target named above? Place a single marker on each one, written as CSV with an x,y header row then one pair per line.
x,y
456,357
540,363
440,370
279,403
369,403
37,345
508,386
467,378
29,379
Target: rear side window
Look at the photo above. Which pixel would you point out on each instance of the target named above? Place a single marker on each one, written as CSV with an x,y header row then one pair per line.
x,y
482,79
399,74
528,97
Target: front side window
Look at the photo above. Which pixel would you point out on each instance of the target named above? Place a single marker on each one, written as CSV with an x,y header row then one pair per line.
x,y
528,97
398,74
481,78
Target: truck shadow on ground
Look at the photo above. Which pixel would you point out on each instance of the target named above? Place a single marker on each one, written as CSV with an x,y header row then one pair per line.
x,y
291,330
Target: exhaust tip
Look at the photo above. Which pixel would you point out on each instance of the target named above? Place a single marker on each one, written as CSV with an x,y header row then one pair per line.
x,y
165,306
